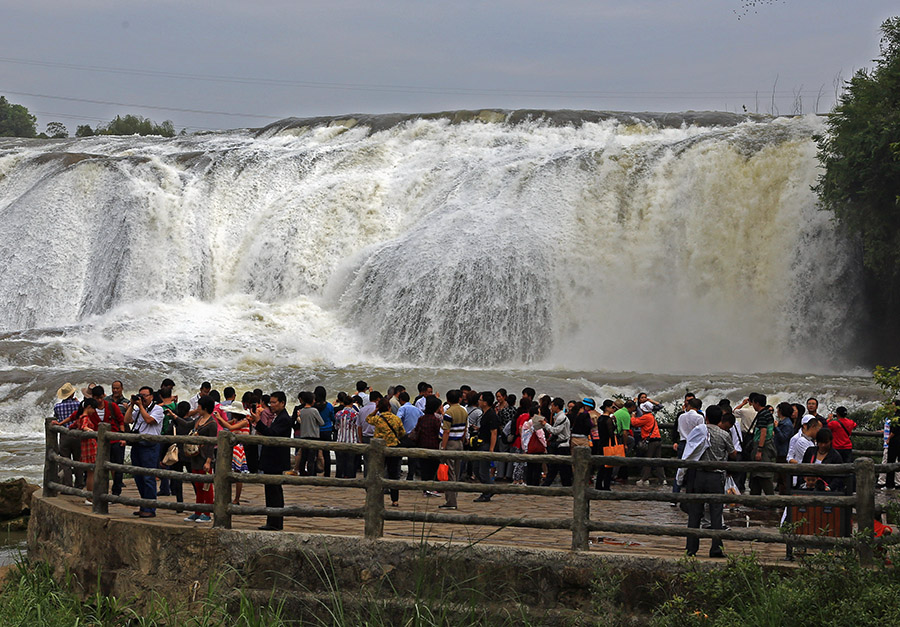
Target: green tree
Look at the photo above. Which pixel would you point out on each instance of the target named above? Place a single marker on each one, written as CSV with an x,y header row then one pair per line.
x,y
136,125
15,120
861,175
84,130
56,130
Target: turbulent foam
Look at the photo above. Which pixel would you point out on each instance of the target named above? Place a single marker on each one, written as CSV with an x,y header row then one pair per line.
x,y
562,240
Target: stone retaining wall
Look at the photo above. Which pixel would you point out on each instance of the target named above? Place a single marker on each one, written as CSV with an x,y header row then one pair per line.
x,y
136,558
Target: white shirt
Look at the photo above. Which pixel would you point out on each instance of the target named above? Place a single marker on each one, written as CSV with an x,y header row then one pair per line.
x,y
744,417
421,403
799,444
736,438
697,443
156,412
686,423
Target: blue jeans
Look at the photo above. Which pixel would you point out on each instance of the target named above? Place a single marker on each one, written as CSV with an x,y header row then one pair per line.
x,y
146,456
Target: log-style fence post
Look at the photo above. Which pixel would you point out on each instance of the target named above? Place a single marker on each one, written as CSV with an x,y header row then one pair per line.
x,y
865,507
51,472
375,489
101,473
221,482
581,504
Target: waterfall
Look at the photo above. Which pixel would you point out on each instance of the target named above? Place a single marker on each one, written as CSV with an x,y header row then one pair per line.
x,y
568,240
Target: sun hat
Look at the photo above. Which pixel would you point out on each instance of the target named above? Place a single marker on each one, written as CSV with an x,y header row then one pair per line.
x,y
65,391
589,402
236,407
647,407
87,391
619,403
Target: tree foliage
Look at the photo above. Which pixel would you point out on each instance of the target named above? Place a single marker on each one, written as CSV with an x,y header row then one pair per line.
x,y
57,130
15,120
861,179
84,130
136,125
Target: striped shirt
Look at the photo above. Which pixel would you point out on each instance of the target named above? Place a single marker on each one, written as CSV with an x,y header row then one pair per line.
x,y
455,420
345,424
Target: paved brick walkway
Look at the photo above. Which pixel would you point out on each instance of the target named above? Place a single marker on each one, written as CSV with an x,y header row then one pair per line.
x,y
500,505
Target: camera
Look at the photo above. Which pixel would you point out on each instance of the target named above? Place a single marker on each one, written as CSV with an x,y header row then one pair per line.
x,y
135,398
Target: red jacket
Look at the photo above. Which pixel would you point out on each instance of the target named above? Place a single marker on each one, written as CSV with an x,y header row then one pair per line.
x,y
841,428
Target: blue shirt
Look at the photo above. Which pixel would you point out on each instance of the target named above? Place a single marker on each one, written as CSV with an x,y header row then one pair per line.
x,y
410,415
327,414
63,409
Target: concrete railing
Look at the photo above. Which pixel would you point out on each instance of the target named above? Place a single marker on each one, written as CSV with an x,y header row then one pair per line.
x,y
374,513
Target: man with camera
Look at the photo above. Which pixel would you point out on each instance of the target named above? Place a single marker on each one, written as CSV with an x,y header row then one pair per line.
x,y
147,418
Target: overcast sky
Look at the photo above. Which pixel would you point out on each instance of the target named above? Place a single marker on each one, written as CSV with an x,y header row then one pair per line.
x,y
193,62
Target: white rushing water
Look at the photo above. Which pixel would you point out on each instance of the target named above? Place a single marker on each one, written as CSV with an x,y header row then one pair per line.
x,y
607,244
329,249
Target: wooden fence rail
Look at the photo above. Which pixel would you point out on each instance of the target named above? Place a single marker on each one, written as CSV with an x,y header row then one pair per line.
x,y
374,513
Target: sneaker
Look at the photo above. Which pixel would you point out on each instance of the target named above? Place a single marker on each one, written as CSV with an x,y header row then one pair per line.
x,y
446,506
203,518
192,518
482,499
88,502
430,493
292,473
663,483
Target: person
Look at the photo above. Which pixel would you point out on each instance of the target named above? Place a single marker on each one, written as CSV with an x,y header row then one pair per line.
x,y
389,428
454,432
763,445
362,391
326,431
560,431
348,433
64,412
812,408
801,441
308,421
534,442
784,431
274,460
606,436
706,442
205,389
237,422
893,450
646,422
366,430
488,428
506,414
425,390
395,397
250,401
622,416
409,415
427,434
86,419
182,425
524,415
824,453
168,401
108,411
202,462
841,429
147,418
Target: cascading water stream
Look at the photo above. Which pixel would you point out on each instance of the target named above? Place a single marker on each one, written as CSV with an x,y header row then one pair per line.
x,y
560,241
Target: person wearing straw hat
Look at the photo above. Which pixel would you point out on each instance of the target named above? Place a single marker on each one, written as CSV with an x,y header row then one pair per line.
x,y
64,413
238,422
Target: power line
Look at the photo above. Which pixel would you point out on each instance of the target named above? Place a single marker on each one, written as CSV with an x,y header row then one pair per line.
x,y
446,90
142,106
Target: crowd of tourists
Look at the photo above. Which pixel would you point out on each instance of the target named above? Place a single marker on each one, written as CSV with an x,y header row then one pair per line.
x,y
531,424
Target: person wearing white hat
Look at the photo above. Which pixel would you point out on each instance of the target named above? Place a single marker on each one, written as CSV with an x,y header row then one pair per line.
x,y
64,413
239,423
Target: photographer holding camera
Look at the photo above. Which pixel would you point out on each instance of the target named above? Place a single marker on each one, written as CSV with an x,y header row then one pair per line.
x,y
146,417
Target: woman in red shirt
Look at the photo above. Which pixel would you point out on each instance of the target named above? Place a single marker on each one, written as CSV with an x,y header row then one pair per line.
x,y
841,428
87,419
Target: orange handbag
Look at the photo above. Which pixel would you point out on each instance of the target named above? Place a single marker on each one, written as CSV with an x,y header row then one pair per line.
x,y
616,450
443,472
